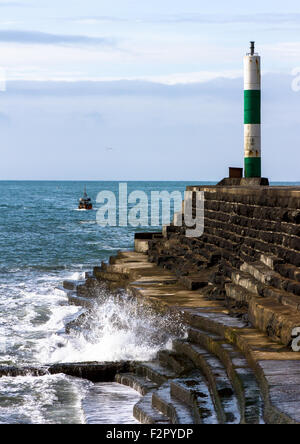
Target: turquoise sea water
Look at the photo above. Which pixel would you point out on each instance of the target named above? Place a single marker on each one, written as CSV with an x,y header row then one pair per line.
x,y
44,239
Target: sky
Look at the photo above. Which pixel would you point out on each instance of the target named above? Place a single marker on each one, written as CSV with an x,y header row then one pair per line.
x,y
143,90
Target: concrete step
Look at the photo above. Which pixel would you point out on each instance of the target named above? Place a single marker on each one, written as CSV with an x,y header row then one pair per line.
x,y
224,399
215,322
248,290
155,372
193,391
110,276
245,280
274,365
283,297
273,318
288,271
266,276
179,364
145,413
237,368
70,285
243,296
276,313
270,261
138,383
80,301
239,294
193,282
177,411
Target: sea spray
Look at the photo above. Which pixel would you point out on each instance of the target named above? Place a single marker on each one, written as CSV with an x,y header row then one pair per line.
x,y
51,399
44,242
118,327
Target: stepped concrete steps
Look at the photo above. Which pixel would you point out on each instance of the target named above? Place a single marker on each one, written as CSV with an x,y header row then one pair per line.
x,y
199,260
138,383
224,399
126,269
241,376
212,230
260,290
210,252
266,276
277,368
201,318
289,299
193,282
155,292
109,275
247,281
277,320
144,270
288,271
280,391
239,294
270,226
126,257
219,241
194,392
255,240
80,301
163,297
145,413
155,372
171,407
149,280
243,297
270,261
276,314
180,365
70,285
130,256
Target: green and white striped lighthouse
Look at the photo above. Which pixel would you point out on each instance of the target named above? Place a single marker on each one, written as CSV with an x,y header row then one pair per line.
x,y
252,114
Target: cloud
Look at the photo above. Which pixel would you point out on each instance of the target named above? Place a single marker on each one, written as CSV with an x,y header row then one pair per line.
x,y
262,18
259,18
42,38
139,118
10,4
123,88
4,119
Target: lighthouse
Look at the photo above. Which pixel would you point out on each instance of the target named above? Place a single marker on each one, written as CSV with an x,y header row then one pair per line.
x,y
252,113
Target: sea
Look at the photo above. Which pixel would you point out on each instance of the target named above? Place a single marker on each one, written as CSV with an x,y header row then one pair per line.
x,y
44,240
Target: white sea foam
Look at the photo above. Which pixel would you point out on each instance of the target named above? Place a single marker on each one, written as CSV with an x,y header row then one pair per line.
x,y
77,276
34,313
117,328
49,399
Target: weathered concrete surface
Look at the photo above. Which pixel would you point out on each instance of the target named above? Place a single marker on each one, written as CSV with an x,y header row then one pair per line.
x,y
92,371
276,367
249,254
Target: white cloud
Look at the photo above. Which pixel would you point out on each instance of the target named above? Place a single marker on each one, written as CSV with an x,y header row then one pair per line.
x,y
181,78
283,49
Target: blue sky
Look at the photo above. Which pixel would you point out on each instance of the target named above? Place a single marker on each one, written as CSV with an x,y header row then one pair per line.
x,y
159,78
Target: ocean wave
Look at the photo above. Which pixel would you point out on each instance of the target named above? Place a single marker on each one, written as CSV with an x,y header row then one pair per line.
x,y
117,328
55,399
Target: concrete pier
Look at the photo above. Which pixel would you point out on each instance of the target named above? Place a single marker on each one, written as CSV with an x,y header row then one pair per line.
x,y
237,289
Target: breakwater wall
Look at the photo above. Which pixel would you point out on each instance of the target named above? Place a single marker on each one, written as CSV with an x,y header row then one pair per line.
x,y
236,289
248,256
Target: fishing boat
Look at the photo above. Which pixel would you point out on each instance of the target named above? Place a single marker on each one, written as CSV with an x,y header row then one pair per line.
x,y
85,203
